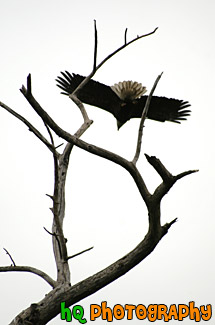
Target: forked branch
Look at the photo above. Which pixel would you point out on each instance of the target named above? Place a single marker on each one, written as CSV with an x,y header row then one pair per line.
x,y
96,67
129,166
168,179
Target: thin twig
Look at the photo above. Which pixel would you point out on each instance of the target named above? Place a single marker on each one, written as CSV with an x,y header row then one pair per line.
x,y
123,46
12,260
144,114
126,35
49,232
86,250
29,88
57,239
59,146
186,173
166,227
50,134
95,46
50,196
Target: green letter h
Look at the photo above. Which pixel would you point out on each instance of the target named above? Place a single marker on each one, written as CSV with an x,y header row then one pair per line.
x,y
65,312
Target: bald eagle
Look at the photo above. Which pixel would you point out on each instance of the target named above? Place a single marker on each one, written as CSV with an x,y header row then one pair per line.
x,y
124,100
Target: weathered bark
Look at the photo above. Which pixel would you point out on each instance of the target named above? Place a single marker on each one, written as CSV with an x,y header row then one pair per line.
x,y
49,307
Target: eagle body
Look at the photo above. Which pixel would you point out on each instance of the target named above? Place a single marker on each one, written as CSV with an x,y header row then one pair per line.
x,y
124,100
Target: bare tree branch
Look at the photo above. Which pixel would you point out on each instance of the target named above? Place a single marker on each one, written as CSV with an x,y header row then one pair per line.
x,y
186,173
58,203
130,167
92,284
61,166
168,179
30,269
85,81
142,121
77,254
50,135
160,168
80,105
123,46
30,126
73,95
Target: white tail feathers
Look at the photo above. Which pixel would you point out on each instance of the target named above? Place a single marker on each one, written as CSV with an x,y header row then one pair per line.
x,y
128,90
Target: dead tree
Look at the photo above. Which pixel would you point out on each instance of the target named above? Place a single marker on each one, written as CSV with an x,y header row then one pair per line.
x,y
61,287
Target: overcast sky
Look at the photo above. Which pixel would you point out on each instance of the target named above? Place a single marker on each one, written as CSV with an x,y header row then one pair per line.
x,y
104,207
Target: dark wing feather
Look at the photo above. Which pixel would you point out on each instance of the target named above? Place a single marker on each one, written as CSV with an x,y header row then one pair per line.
x,y
163,109
93,93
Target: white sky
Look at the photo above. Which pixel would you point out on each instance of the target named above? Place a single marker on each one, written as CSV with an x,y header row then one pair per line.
x,y
104,208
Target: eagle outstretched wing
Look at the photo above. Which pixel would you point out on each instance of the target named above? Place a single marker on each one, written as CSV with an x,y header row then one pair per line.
x,y
93,93
163,109
102,96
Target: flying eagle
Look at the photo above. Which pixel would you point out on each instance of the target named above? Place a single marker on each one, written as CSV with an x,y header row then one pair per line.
x,y
124,100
